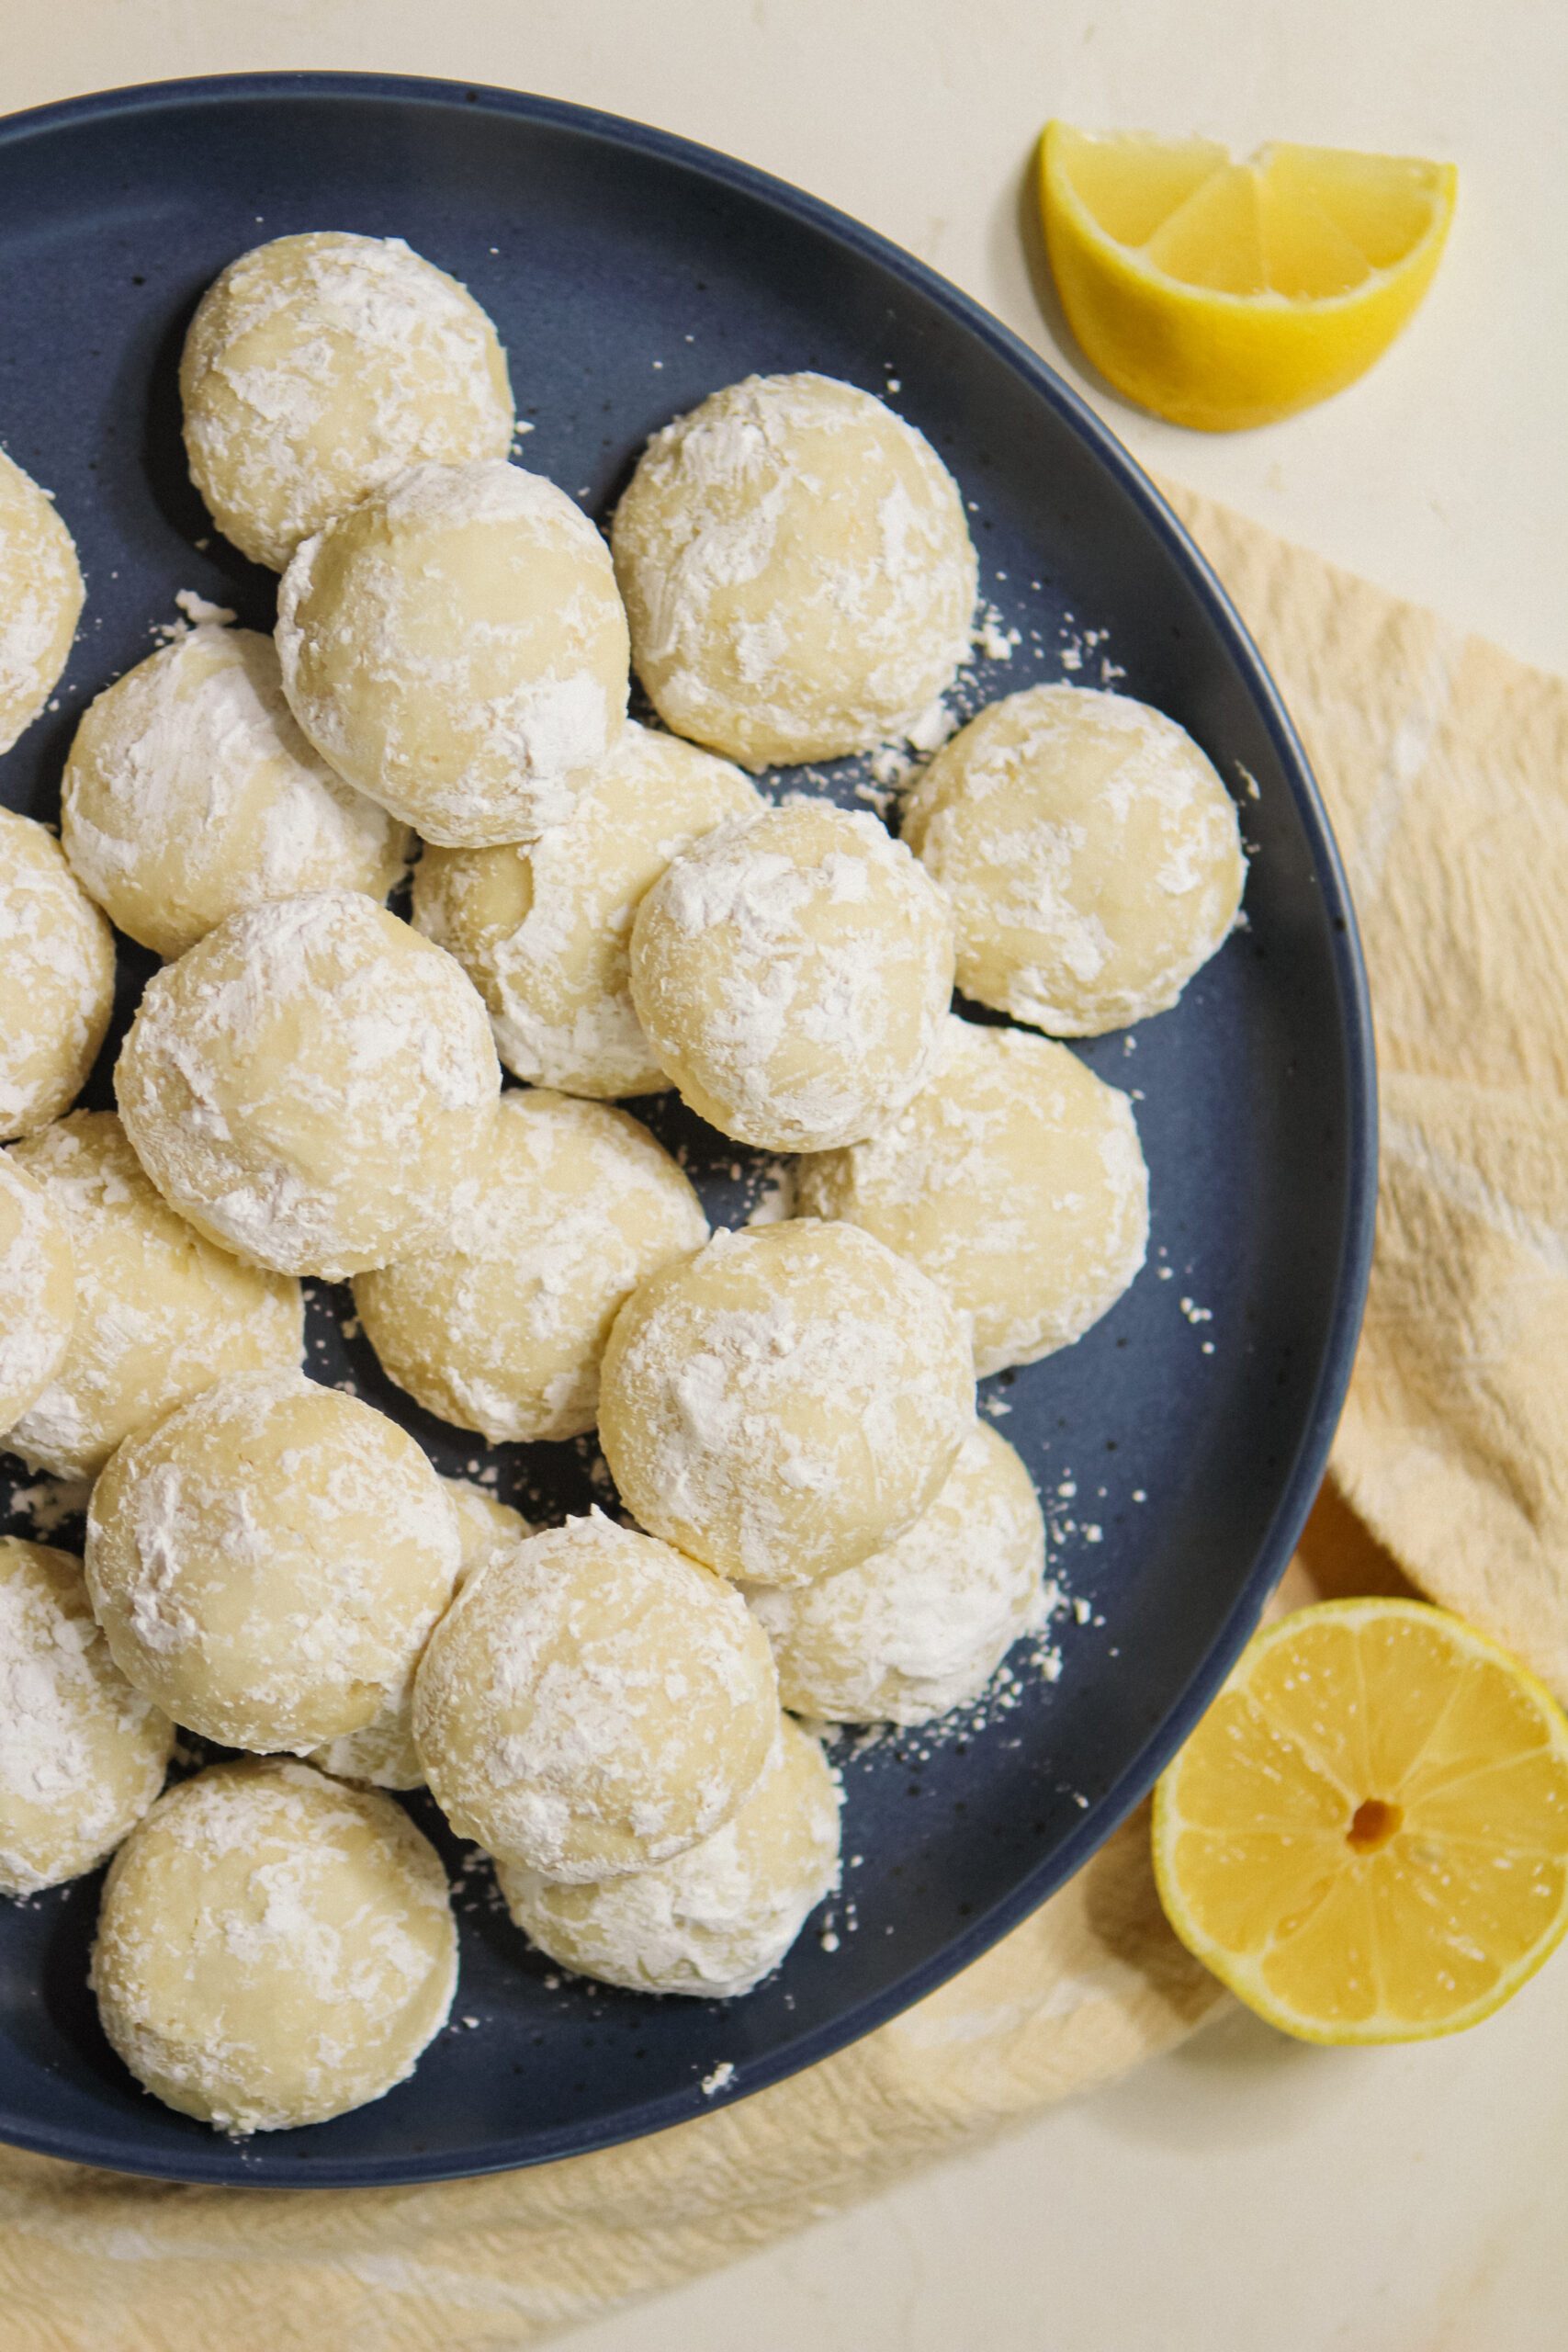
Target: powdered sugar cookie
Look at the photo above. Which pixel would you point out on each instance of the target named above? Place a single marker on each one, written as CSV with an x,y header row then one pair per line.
x,y
1015,1178
454,647
81,1754
717,1918
1091,853
792,972
593,1702
500,1324
41,599
190,793
921,1625
309,1084
272,1948
160,1312
797,571
543,928
38,1291
56,979
268,1561
786,1402
316,367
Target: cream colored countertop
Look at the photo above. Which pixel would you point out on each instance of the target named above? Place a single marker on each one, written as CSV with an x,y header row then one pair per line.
x,y
1245,2192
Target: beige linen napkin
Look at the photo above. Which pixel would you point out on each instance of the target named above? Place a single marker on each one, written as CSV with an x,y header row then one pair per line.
x,y
1446,770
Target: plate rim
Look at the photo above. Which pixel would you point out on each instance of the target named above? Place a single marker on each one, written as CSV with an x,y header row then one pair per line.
x,y
219,2165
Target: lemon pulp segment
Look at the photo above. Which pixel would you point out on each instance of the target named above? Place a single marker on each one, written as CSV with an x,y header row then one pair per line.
x,y
1367,1835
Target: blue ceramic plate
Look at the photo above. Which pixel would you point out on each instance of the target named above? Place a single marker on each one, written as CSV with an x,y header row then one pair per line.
x,y
1178,1446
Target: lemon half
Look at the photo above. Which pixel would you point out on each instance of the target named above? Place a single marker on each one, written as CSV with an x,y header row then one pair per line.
x,y
1221,295
1367,1835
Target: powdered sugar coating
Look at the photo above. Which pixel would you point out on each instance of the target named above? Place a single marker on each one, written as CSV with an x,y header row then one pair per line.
x,y
455,646
383,1753
543,928
190,793
272,1948
499,1326
593,1702
267,1562
56,979
923,1625
1093,855
792,972
316,367
160,1312
41,599
720,1917
1015,1178
81,1754
789,1401
309,1084
38,1291
797,571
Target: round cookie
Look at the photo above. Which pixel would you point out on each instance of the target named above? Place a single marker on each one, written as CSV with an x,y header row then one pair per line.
x,y
319,365
309,1084
792,972
786,1402
593,1702
798,570
500,1324
1093,855
38,1291
456,647
383,1753
1015,1178
56,979
543,928
159,1312
273,1947
268,1560
190,793
81,1754
720,1917
41,599
923,1625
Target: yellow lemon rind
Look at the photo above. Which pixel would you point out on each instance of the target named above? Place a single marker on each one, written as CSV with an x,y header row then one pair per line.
x,y
1215,361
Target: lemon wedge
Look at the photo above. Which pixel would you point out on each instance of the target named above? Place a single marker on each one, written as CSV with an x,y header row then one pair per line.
x,y
1221,294
1367,1835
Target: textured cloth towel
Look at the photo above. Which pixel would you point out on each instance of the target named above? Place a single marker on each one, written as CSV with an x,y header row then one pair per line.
x,y
1445,766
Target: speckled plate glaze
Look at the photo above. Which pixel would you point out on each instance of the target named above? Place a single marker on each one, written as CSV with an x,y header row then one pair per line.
x,y
1178,1446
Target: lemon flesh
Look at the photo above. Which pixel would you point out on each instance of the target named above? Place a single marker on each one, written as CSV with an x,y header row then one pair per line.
x,y
1367,1835
1221,294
